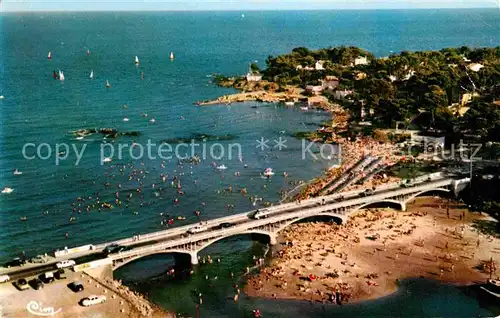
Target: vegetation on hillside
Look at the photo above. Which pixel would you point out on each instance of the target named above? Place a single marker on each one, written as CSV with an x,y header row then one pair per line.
x,y
425,88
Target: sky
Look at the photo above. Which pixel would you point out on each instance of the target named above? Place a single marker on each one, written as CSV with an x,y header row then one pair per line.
x,y
238,5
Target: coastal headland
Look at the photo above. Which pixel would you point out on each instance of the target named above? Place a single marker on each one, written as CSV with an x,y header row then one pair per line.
x,y
364,258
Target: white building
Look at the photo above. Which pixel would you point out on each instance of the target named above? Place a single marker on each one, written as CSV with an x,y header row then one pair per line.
x,y
361,60
342,94
254,77
319,66
475,67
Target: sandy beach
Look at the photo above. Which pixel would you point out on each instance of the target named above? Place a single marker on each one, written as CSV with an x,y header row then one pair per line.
x,y
364,258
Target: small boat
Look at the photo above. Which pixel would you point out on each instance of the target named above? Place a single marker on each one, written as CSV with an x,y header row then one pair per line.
x,y
91,76
55,75
256,313
171,55
181,218
304,108
492,287
221,167
126,119
7,190
107,160
61,75
17,172
1,97
107,84
88,52
136,60
152,120
268,172
49,56
79,138
23,218
289,103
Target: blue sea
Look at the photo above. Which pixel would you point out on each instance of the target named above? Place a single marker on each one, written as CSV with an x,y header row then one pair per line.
x,y
37,109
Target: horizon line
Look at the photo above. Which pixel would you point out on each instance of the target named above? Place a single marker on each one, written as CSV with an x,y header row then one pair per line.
x,y
250,10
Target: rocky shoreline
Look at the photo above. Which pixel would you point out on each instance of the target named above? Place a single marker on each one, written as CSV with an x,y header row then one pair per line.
x,y
365,258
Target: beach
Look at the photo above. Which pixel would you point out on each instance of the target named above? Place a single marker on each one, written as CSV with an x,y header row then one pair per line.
x,y
365,258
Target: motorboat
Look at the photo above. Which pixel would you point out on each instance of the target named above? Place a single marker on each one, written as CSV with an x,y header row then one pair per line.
x,y
7,190
17,172
268,172
136,60
49,56
221,167
107,84
107,160
126,119
171,55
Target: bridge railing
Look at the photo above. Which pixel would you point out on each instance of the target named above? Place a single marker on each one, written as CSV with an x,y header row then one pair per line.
x,y
238,229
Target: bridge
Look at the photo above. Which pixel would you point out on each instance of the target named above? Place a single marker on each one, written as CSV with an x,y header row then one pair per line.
x,y
279,220
177,240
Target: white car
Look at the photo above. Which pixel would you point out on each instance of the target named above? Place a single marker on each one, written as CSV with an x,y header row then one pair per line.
x,y
66,263
93,300
197,229
4,278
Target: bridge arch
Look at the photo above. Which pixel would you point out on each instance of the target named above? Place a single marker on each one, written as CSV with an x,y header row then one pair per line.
x,y
194,253
340,218
119,264
401,205
269,235
426,191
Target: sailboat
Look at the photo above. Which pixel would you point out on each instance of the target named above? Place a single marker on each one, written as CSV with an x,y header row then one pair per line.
x,y
88,52
136,61
171,55
61,75
91,74
49,56
107,84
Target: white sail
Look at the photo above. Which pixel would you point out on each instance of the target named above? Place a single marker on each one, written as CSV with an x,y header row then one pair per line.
x,y
91,74
171,55
136,60
61,75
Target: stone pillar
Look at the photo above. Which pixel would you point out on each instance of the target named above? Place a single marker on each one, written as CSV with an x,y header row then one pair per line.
x,y
194,258
403,206
272,239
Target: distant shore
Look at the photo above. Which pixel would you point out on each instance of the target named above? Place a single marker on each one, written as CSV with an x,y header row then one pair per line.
x,y
365,258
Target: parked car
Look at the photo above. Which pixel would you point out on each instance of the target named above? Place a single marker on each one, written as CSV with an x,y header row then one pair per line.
x,y
36,283
21,284
76,286
15,262
47,277
197,229
66,263
39,259
225,225
60,274
93,300
4,278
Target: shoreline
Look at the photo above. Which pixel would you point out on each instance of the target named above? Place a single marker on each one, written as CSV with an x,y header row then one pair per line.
x,y
364,259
